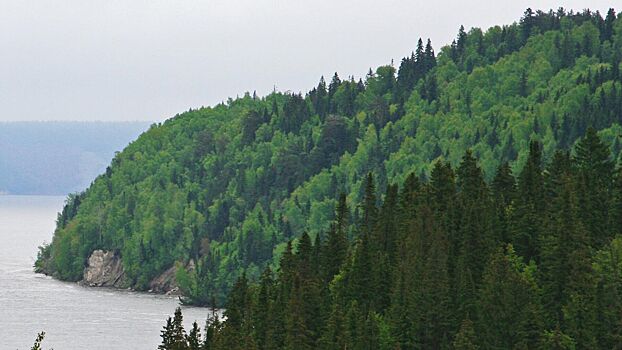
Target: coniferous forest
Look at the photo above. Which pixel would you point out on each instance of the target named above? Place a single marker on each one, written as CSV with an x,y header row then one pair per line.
x,y
525,261
466,199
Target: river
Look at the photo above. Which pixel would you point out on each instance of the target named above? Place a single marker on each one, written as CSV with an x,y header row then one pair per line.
x,y
73,317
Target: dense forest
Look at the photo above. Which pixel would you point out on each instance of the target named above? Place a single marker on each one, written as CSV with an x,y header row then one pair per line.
x,y
522,262
227,187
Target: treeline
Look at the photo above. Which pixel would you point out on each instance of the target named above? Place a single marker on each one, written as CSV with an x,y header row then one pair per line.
x,y
451,262
225,188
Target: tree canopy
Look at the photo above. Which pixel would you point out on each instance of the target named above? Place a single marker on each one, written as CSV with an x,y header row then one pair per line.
x,y
227,187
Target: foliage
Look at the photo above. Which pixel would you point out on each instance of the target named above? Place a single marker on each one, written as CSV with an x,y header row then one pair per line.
x,y
227,186
410,279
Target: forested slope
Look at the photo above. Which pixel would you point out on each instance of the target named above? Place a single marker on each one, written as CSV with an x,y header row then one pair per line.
x,y
526,261
227,186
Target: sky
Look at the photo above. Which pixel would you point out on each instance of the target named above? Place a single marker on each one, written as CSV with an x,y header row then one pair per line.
x,y
148,60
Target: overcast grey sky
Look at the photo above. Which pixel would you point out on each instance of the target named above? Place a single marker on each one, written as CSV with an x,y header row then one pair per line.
x,y
147,60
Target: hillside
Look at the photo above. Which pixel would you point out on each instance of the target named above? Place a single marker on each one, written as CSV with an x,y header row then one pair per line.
x,y
527,261
228,186
57,158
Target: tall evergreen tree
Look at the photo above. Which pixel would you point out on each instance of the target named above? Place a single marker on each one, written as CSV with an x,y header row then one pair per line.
x,y
530,205
474,237
508,304
194,338
503,191
336,248
594,179
167,336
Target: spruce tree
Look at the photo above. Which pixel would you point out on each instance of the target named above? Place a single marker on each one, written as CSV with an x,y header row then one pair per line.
x,y
370,210
608,272
508,304
194,338
261,312
475,236
167,336
178,336
298,335
529,207
503,191
436,303
336,246
594,180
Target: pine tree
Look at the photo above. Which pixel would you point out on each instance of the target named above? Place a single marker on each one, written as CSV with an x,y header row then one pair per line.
x,y
334,335
336,247
178,335
319,99
167,336
369,208
194,338
594,179
530,205
474,237
608,31
608,271
461,43
237,330
430,59
419,68
309,289
508,304
297,332
503,192
261,313
561,231
386,233
436,306
556,174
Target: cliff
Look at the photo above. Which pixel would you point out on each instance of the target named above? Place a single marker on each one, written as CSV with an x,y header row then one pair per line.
x,y
105,269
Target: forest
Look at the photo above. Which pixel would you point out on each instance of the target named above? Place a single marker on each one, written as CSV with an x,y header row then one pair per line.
x,y
526,261
230,189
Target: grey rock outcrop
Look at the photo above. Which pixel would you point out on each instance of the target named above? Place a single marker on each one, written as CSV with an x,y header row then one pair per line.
x,y
165,283
104,270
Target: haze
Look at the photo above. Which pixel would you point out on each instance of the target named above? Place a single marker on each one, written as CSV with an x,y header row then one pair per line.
x,y
147,60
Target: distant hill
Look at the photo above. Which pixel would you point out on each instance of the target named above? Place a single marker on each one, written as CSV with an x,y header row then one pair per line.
x,y
57,158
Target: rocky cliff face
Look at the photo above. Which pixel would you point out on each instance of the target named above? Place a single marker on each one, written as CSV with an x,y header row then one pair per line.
x,y
105,269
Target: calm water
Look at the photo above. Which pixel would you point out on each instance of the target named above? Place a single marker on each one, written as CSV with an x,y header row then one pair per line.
x,y
73,317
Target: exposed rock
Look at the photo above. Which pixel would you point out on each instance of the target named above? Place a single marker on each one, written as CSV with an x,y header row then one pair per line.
x,y
104,270
165,283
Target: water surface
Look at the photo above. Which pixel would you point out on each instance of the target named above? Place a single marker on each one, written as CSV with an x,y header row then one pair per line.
x,y
74,317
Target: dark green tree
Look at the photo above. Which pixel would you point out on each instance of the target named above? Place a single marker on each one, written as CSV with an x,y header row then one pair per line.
x,y
594,181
